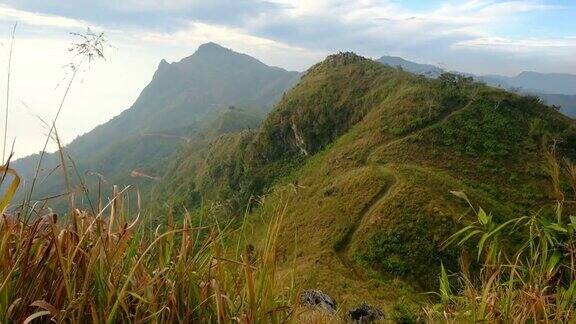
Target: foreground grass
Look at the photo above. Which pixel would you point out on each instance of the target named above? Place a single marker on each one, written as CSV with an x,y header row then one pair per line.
x,y
530,281
104,268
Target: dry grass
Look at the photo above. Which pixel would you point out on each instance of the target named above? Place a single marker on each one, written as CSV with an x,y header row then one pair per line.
x,y
104,268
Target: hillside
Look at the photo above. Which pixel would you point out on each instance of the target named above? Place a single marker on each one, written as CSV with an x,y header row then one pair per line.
x,y
180,100
364,157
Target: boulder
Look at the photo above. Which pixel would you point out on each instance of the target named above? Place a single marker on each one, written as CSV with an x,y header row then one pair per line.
x,y
318,299
365,313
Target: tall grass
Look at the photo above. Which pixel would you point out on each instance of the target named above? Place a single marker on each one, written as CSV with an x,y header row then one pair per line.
x,y
105,267
531,279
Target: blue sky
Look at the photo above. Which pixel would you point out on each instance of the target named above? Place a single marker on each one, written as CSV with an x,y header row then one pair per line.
x,y
478,36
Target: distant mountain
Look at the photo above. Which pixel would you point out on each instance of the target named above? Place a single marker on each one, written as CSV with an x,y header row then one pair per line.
x,y
181,98
425,69
183,93
556,89
550,83
566,103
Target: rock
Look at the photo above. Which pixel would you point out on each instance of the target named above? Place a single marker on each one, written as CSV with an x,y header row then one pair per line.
x,y
365,313
318,299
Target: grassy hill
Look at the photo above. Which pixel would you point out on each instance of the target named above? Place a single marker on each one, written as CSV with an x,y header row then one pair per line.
x,y
364,157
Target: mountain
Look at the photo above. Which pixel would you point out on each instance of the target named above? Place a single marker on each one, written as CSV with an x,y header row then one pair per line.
x,y
554,88
566,103
549,83
425,69
180,99
361,159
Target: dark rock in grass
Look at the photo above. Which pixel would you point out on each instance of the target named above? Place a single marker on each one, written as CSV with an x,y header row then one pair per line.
x,y
318,299
365,313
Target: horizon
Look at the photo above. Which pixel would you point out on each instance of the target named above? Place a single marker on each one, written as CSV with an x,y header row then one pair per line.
x,y
456,36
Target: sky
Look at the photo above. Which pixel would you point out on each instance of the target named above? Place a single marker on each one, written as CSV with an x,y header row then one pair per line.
x,y
477,36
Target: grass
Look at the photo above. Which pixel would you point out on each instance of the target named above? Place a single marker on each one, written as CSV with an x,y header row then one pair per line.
x,y
107,267
533,280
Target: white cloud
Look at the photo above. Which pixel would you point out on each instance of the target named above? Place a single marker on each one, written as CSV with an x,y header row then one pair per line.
x,y
508,44
37,19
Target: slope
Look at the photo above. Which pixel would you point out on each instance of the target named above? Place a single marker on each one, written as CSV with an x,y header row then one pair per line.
x,y
364,157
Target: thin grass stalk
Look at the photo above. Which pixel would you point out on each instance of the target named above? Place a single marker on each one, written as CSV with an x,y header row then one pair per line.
x,y
43,152
86,51
8,93
64,168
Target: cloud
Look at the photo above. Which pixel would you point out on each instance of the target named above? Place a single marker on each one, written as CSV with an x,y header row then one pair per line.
x,y
371,27
557,45
163,15
38,19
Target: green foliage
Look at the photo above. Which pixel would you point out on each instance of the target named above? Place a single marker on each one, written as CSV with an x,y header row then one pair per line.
x,y
404,314
527,281
416,236
496,124
108,267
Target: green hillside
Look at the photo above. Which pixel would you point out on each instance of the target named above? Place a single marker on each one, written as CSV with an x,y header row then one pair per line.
x,y
181,99
364,157
183,179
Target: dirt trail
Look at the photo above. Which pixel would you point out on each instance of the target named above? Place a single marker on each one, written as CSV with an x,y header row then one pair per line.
x,y
424,129
342,248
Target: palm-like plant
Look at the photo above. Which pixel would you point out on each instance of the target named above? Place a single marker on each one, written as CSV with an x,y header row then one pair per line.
x,y
531,280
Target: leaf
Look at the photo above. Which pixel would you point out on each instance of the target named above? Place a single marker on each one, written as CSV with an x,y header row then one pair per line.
x,y
454,236
12,306
445,292
567,296
34,316
140,298
9,194
573,222
557,227
552,262
467,237
47,306
483,218
460,194
481,244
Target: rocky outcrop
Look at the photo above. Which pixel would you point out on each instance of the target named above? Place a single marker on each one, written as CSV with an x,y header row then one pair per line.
x,y
365,313
318,299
